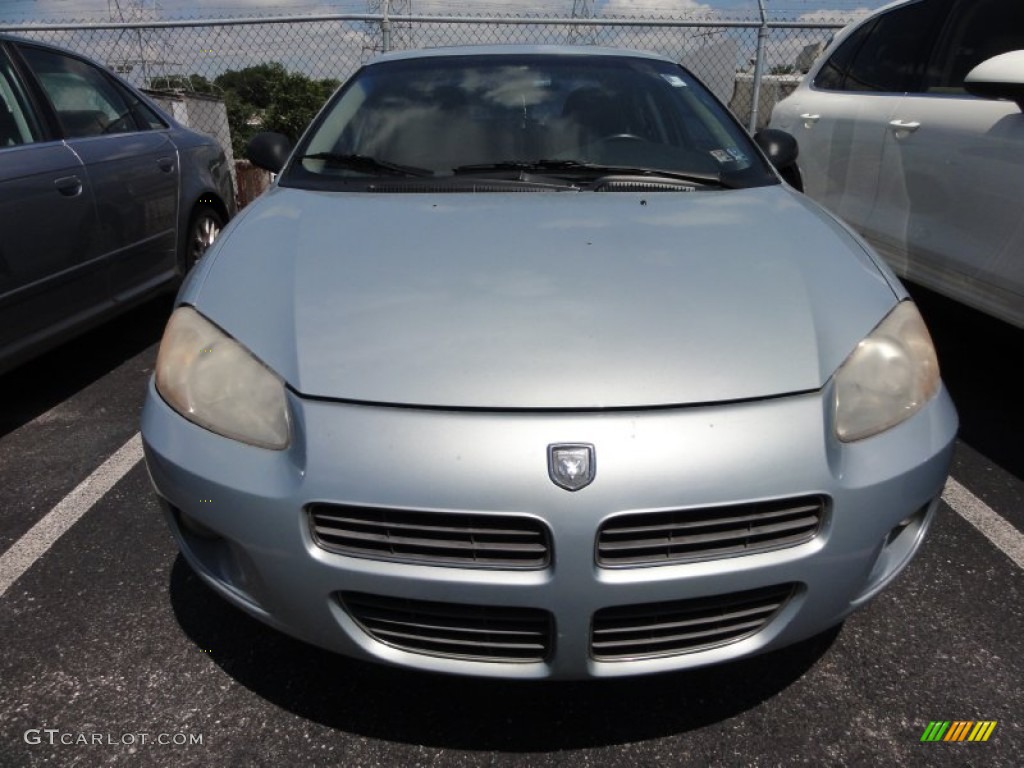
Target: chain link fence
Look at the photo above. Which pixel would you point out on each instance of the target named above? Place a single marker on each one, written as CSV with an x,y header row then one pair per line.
x,y
318,52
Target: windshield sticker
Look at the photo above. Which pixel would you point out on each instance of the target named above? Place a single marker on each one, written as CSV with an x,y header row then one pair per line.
x,y
675,81
722,156
737,155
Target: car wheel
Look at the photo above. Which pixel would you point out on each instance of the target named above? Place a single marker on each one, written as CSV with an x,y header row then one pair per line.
x,y
203,229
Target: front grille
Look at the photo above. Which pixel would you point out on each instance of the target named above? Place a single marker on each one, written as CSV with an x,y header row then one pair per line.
x,y
631,632
683,535
432,538
452,630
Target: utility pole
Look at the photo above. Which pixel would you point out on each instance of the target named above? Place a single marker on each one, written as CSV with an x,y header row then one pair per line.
x,y
133,11
582,34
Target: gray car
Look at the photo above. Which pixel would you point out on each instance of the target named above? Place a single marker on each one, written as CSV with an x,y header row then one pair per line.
x,y
104,199
530,366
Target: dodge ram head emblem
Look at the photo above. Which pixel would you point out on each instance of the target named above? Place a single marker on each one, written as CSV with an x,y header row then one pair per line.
x,y
571,465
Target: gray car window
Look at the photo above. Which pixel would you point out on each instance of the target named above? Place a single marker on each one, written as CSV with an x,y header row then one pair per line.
x,y
87,102
439,115
977,30
891,55
146,117
832,73
17,125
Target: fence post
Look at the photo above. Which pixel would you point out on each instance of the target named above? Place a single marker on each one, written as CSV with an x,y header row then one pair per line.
x,y
762,38
385,28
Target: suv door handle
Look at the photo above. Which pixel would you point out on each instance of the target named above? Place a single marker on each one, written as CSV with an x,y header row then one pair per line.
x,y
165,164
809,119
69,186
908,127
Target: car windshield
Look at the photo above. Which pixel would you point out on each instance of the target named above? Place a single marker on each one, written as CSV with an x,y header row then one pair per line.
x,y
566,116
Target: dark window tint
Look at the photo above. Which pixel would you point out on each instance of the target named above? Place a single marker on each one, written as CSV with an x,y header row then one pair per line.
x,y
830,77
16,123
88,103
977,30
891,57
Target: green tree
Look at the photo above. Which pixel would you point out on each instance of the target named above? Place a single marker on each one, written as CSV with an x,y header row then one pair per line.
x,y
296,103
267,97
253,85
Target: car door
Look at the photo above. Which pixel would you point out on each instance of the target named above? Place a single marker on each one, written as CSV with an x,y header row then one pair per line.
x,y
952,182
133,169
840,117
49,275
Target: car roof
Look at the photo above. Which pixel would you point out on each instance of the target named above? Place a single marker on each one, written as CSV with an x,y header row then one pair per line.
x,y
523,50
164,114
7,37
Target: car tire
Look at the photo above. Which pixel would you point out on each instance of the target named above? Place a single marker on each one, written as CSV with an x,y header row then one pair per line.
x,y
204,226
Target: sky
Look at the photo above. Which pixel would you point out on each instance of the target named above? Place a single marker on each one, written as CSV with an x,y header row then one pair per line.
x,y
335,49
28,11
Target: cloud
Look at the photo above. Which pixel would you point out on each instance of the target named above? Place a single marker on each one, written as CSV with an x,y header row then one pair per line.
x,y
22,11
336,49
552,8
676,9
831,16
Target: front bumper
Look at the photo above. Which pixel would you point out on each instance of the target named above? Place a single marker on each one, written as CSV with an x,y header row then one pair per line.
x,y
240,516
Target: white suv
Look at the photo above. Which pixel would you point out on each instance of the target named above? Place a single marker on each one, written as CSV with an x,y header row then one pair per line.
x,y
911,128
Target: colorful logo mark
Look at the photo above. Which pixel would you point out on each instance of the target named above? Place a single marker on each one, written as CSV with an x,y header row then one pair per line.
x,y
958,730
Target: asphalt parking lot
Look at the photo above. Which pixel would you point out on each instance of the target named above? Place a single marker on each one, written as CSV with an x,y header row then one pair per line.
x,y
115,654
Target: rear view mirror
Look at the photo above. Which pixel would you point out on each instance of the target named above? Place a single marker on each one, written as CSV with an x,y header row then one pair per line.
x,y
269,151
782,150
1001,77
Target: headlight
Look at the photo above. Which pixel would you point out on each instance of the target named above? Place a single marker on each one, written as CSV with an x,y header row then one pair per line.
x,y
212,380
888,377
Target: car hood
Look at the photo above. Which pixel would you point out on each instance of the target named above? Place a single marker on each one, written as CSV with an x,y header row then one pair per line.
x,y
543,300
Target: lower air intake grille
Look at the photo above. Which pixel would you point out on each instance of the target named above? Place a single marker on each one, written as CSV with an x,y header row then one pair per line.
x,y
643,185
432,538
679,536
451,630
631,632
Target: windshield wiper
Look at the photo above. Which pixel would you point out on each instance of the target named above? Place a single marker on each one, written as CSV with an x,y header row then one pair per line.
x,y
521,165
593,169
367,164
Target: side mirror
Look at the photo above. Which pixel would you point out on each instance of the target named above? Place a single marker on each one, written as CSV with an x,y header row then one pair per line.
x,y
269,151
782,150
1001,77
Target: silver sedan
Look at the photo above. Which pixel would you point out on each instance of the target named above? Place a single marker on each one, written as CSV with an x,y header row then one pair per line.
x,y
530,366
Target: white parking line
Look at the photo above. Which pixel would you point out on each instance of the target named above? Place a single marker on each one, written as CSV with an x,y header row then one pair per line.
x,y
41,536
34,544
1007,539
